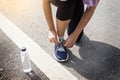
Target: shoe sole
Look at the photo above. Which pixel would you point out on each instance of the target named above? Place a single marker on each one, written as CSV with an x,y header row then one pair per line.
x,y
63,60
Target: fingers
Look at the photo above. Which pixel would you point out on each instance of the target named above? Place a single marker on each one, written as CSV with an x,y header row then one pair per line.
x,y
54,40
53,37
68,44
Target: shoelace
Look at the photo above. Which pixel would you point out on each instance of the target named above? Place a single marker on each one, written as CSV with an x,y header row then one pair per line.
x,y
60,47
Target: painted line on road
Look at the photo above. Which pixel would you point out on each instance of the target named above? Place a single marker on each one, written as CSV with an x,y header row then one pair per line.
x,y
51,68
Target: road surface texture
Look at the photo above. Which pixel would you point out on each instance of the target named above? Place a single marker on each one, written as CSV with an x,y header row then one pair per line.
x,y
97,57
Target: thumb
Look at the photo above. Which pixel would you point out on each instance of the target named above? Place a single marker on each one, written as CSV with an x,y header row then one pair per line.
x,y
65,43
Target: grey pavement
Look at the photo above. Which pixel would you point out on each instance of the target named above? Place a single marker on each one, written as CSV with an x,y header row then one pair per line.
x,y
96,58
10,63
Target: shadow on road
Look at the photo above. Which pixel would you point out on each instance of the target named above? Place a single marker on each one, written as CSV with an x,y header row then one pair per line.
x,y
100,61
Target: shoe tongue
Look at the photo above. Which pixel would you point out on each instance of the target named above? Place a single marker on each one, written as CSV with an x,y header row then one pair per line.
x,y
60,47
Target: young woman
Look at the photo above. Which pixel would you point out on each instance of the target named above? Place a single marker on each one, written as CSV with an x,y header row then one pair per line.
x,y
71,15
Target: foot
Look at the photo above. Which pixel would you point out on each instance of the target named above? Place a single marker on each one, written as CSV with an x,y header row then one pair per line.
x,y
60,53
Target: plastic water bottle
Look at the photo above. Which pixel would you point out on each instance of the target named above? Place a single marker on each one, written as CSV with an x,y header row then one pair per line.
x,y
25,60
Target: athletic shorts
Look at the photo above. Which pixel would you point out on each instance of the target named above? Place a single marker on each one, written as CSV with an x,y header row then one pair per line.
x,y
66,9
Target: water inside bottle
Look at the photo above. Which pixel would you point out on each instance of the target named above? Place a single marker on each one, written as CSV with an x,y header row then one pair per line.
x,y
25,62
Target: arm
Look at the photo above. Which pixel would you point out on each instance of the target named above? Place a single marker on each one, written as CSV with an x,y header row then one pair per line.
x,y
49,19
48,14
85,19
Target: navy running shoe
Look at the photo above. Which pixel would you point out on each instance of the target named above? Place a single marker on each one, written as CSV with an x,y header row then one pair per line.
x,y
60,53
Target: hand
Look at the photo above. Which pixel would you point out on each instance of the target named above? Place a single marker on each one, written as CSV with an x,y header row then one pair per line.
x,y
53,37
70,41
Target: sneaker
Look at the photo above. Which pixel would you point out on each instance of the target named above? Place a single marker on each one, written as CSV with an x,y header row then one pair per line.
x,y
60,53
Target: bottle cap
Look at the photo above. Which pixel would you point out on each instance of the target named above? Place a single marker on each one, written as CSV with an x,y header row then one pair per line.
x,y
23,49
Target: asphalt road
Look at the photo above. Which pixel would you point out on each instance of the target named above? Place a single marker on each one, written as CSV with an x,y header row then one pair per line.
x,y
96,58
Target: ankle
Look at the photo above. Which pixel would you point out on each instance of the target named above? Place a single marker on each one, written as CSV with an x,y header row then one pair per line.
x,y
61,38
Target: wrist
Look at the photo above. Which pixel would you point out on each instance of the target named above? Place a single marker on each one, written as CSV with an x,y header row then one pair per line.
x,y
76,33
52,29
78,30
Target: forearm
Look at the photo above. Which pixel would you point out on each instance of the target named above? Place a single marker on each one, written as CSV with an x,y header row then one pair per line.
x,y
48,14
85,19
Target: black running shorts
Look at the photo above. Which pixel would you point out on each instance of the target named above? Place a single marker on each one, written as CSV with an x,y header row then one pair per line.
x,y
65,9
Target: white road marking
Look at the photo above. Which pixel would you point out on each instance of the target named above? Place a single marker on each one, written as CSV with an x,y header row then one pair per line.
x,y
52,69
